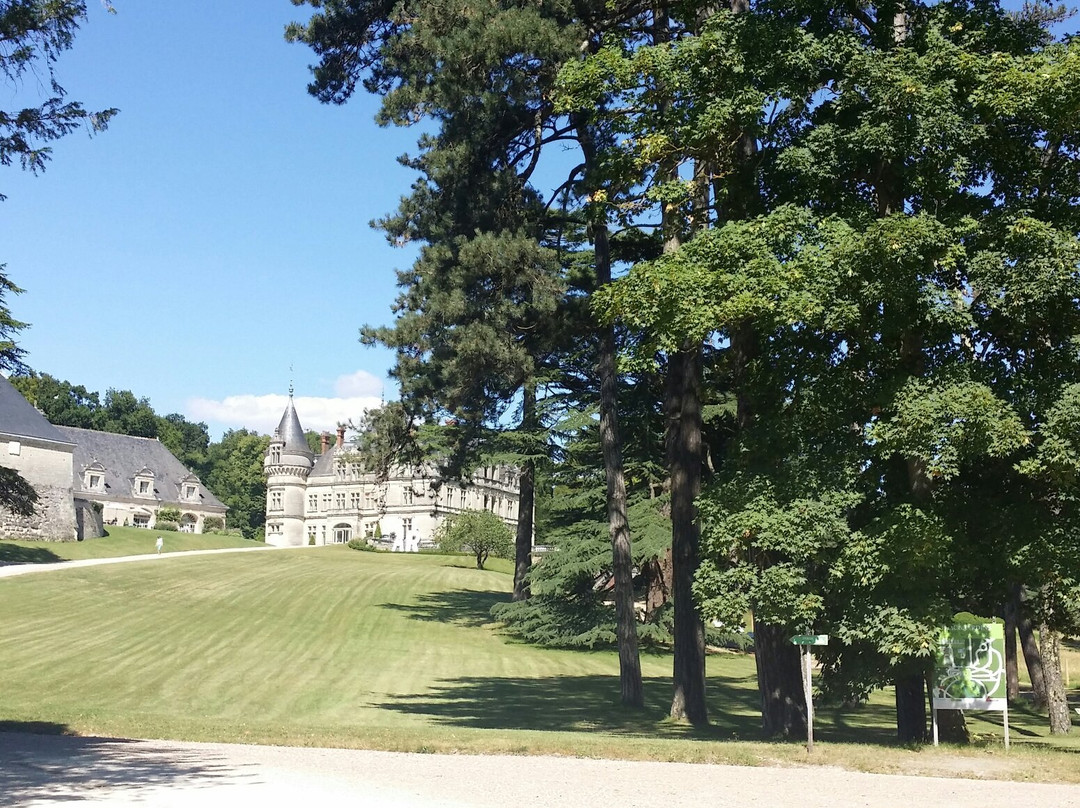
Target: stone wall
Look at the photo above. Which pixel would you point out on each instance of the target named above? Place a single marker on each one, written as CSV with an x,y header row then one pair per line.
x,y
53,518
88,521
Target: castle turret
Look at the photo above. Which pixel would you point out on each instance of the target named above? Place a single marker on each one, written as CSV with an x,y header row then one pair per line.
x,y
287,465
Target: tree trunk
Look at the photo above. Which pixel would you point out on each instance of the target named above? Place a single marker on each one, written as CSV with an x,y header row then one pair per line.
x,y
658,592
526,500
621,558
622,561
1012,668
684,459
911,708
779,676
1050,649
952,727
1033,660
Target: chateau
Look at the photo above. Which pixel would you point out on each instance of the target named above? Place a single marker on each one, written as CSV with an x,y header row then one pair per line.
x,y
330,498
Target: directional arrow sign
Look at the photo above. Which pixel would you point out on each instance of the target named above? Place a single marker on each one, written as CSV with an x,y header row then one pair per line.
x,y
810,639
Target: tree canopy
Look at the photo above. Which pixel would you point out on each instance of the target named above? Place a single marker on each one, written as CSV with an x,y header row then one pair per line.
x,y
835,243
481,533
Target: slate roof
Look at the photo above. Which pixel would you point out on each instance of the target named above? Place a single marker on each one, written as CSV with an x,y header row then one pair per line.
x,y
324,463
18,417
291,433
123,457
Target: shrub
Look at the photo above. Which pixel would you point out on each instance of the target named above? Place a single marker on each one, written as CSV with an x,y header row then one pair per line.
x,y
311,541
213,523
362,544
166,525
168,514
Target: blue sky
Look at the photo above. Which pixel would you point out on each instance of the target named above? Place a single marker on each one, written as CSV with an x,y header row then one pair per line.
x,y
213,245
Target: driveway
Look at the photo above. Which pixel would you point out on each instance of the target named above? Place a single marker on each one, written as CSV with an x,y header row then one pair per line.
x,y
9,570
38,770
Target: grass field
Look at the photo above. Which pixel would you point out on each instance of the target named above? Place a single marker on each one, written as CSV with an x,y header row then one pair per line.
x,y
121,541
331,647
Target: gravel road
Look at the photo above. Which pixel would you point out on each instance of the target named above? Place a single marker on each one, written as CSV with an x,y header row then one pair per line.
x,y
38,770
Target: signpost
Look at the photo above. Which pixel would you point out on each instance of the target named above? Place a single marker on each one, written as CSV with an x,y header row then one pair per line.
x,y
970,671
804,641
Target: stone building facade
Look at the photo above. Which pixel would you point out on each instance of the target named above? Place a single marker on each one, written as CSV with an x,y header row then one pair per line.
x,y
87,480
132,478
38,451
330,498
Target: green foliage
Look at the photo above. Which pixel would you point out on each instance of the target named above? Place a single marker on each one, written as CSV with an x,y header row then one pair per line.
x,y
949,423
16,494
168,514
11,355
166,525
36,32
364,546
213,524
186,440
236,476
481,533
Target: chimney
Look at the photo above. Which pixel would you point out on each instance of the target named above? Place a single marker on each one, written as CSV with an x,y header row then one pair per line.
x,y
340,435
324,442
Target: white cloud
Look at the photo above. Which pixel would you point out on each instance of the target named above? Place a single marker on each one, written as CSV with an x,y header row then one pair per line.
x,y
361,384
356,392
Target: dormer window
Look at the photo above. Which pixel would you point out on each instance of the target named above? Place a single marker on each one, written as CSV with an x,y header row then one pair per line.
x,y
144,483
94,478
275,453
189,488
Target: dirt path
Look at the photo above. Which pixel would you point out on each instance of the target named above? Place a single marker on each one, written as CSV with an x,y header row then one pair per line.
x,y
8,570
40,770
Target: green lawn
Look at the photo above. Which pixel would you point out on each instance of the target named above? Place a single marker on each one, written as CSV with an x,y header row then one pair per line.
x,y
334,647
121,541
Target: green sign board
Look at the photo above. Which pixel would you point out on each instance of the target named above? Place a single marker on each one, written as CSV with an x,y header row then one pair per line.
x,y
970,669
810,639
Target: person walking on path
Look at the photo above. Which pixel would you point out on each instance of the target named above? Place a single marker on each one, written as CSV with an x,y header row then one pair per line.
x,y
160,544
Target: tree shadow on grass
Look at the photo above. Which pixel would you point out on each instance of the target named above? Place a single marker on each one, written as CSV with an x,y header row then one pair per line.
x,y
18,554
43,761
590,704
551,703
462,607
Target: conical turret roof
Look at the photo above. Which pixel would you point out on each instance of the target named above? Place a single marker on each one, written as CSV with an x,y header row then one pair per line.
x,y
291,434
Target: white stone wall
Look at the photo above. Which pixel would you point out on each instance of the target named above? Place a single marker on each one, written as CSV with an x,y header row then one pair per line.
x,y
285,521
406,507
